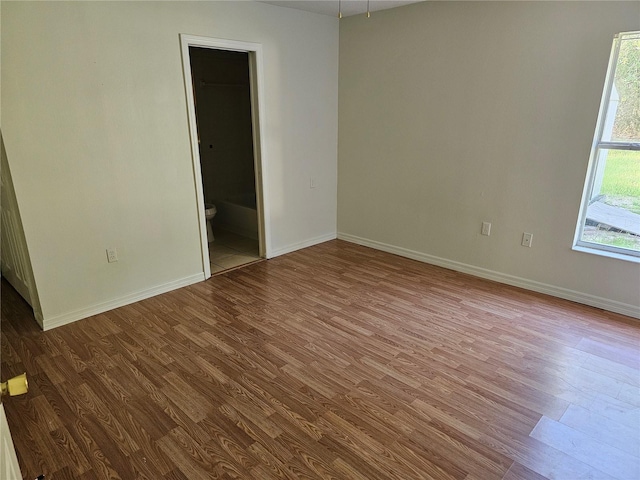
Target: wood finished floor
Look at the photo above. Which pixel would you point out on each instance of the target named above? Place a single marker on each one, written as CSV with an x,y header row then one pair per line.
x,y
336,361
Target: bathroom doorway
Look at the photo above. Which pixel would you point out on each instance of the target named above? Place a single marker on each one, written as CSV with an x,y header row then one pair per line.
x,y
223,86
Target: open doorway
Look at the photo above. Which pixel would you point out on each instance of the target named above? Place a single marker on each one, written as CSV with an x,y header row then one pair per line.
x,y
222,96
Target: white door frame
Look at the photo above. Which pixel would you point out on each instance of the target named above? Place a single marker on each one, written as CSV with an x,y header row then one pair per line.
x,y
259,152
9,466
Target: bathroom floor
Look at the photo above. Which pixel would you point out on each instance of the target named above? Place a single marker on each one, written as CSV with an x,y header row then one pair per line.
x,y
230,250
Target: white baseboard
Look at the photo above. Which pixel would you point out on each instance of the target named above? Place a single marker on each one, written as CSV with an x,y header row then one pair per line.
x,y
297,246
579,297
65,318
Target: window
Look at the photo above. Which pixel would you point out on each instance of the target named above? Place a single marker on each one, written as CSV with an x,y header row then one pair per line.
x,y
609,221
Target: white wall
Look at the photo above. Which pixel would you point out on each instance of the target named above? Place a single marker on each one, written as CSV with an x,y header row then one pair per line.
x,y
454,113
95,127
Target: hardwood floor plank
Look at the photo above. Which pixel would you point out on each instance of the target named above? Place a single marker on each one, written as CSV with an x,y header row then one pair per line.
x,y
90,406
617,353
624,437
587,449
188,460
78,462
630,394
518,472
368,449
333,362
98,449
185,397
230,439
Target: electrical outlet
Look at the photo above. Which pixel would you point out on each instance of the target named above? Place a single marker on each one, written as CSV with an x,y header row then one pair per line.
x,y
527,238
486,228
112,255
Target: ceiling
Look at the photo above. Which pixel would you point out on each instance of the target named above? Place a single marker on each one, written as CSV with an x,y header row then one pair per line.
x,y
349,7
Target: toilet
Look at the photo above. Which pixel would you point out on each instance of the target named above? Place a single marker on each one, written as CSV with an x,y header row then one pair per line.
x,y
209,212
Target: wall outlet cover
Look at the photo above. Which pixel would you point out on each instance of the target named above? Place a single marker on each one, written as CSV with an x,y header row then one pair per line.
x,y
112,255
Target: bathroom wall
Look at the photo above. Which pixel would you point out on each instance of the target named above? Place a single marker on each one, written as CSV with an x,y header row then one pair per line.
x,y
455,113
94,120
221,83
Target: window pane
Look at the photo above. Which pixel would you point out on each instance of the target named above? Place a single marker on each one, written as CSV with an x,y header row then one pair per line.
x,y
613,214
623,111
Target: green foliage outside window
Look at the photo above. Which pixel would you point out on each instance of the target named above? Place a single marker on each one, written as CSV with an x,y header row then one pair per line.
x,y
627,82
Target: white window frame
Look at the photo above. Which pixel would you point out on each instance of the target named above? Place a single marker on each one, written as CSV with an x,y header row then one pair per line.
x,y
593,172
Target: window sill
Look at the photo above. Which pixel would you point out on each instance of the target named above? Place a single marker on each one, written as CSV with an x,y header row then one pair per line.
x,y
605,253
